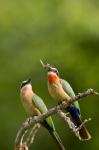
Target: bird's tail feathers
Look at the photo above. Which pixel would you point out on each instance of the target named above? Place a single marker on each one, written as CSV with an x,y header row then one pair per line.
x,y
56,137
83,132
75,114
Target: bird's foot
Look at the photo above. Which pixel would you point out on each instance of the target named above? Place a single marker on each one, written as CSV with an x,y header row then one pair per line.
x,y
29,120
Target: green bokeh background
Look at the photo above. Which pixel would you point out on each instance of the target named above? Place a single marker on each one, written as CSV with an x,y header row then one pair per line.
x,y
66,35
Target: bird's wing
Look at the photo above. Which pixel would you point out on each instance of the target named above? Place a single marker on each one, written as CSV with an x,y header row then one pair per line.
x,y
68,89
38,102
84,134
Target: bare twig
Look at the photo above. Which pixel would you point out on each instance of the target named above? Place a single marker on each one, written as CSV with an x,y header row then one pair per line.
x,y
38,119
24,144
84,122
32,135
71,124
21,141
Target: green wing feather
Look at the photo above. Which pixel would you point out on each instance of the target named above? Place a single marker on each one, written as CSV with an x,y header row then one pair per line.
x,y
68,89
42,108
84,134
48,123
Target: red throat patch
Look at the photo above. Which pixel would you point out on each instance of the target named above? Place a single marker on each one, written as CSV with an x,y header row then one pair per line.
x,y
52,77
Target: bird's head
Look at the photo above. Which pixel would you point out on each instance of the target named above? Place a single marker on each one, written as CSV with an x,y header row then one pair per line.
x,y
53,73
26,83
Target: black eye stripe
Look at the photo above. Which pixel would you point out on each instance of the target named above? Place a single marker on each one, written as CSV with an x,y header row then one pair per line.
x,y
25,82
56,71
53,70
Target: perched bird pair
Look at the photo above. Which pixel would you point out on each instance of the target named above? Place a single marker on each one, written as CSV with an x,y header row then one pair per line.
x,y
59,90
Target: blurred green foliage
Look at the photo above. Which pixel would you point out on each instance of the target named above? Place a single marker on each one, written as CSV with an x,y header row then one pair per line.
x,y
66,35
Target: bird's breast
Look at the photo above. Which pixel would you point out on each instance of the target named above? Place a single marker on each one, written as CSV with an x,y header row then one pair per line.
x,y
57,92
26,98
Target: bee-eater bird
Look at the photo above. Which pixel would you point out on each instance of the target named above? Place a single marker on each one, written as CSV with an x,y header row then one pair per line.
x,y
60,90
35,106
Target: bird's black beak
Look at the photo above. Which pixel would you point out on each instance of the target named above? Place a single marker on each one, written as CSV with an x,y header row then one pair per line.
x,y
47,66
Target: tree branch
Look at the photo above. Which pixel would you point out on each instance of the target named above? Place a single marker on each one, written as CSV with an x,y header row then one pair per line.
x,y
71,125
32,134
38,119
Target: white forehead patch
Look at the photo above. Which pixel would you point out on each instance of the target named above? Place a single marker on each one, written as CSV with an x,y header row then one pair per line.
x,y
24,81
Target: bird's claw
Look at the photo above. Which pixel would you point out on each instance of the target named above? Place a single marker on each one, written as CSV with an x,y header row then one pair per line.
x,y
29,120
